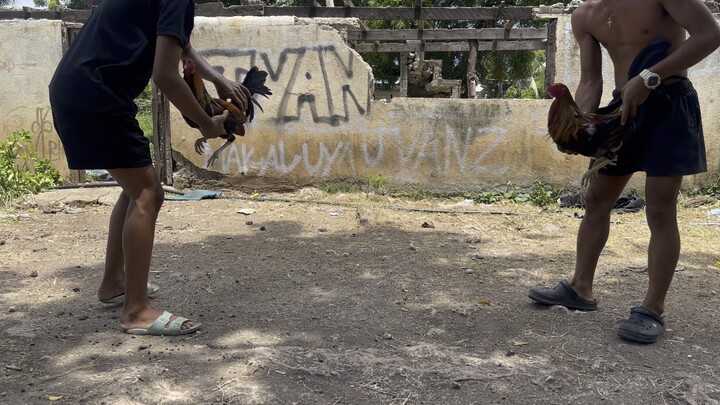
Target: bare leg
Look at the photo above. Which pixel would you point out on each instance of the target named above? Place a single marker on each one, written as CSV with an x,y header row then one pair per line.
x,y
600,197
113,283
664,248
145,195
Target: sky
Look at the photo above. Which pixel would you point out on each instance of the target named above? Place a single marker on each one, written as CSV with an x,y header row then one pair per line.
x,y
21,3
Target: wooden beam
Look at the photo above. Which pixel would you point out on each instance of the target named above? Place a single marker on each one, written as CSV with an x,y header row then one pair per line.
x,y
408,13
550,55
212,10
404,74
471,77
419,46
457,34
161,136
364,13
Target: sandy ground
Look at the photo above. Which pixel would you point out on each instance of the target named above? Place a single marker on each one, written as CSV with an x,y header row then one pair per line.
x,y
350,299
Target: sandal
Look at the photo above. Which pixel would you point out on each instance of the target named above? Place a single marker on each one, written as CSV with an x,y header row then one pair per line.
x,y
163,327
643,326
119,299
562,294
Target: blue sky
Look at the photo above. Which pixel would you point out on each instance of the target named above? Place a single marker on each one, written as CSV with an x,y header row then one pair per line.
x,y
20,3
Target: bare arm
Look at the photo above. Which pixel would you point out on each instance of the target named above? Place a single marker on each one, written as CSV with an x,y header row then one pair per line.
x,y
698,21
589,90
227,89
704,38
166,77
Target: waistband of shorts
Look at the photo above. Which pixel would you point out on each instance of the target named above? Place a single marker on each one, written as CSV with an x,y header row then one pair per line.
x,y
678,86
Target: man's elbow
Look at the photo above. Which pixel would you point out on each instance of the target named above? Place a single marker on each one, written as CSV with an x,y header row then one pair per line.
x,y
162,80
715,41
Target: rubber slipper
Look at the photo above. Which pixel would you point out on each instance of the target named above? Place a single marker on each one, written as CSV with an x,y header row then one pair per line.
x,y
161,327
562,294
643,326
119,299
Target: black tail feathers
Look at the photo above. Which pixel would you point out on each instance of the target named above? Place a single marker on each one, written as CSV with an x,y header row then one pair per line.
x,y
255,82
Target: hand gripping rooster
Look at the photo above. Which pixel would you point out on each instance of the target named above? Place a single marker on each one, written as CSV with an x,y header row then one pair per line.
x,y
237,118
597,135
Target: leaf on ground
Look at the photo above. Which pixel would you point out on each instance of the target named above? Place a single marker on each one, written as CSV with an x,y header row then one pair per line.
x,y
54,398
518,343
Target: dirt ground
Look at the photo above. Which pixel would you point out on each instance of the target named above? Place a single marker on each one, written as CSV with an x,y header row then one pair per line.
x,y
350,299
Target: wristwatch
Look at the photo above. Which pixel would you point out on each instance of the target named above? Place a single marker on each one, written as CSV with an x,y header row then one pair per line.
x,y
651,80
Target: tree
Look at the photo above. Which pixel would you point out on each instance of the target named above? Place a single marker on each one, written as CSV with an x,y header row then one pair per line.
x,y
6,2
497,71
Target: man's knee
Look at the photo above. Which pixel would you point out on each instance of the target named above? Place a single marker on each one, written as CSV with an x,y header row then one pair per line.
x,y
660,215
151,199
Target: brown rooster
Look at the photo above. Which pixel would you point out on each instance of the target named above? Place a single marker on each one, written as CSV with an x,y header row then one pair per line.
x,y
598,135
234,124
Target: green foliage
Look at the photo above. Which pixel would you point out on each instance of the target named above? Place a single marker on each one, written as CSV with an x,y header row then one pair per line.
x,y
376,183
21,171
418,194
540,195
710,190
337,187
144,116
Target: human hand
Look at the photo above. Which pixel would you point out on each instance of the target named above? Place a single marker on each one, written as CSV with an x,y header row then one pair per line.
x,y
215,126
236,92
633,95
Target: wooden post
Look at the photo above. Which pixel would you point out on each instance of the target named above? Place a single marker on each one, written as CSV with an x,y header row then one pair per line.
x,y
403,74
161,135
550,55
472,63
68,35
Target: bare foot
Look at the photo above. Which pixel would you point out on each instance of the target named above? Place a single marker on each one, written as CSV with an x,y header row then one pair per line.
x,y
146,317
110,290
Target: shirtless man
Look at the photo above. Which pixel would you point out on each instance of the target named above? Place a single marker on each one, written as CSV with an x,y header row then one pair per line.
x,y
672,140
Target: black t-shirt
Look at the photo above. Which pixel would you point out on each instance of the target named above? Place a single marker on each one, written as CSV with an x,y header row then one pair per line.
x,y
110,61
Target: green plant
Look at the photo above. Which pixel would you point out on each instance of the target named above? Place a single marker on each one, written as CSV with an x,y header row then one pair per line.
x,y
337,187
144,116
419,194
21,171
543,196
376,182
540,195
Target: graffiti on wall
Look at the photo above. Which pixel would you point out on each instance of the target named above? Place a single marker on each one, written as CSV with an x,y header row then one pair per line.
x,y
302,78
37,121
325,89
440,153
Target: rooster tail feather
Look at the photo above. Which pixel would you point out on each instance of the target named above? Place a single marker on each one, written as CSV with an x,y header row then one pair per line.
x,y
255,82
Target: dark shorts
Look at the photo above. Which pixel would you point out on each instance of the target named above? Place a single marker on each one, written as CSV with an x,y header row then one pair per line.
x,y
101,141
669,140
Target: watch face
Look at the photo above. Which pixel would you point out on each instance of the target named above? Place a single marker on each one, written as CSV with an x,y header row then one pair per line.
x,y
653,81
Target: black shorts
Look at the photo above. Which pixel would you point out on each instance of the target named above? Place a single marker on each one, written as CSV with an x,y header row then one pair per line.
x,y
101,141
669,140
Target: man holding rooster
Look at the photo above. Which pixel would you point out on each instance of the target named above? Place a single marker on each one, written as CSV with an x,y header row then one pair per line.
x,y
120,48
661,104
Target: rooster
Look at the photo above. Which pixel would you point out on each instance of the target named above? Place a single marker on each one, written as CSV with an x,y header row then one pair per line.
x,y
597,135
234,124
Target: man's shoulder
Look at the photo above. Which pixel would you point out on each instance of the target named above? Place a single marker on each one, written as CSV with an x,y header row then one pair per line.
x,y
581,14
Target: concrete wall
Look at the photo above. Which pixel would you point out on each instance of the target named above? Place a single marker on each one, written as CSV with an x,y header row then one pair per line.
x,y
322,123
446,145
29,52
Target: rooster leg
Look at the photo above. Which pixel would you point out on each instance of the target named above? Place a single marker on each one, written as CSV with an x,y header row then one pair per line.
x,y
215,154
593,171
200,146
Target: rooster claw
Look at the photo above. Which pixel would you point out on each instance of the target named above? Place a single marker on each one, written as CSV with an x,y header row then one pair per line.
x,y
200,146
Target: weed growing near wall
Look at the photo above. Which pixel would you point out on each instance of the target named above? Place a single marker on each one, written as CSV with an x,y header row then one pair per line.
x,y
21,171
